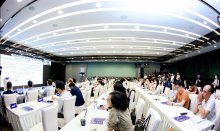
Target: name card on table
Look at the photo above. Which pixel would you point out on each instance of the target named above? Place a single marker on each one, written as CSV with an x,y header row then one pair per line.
x,y
40,99
13,105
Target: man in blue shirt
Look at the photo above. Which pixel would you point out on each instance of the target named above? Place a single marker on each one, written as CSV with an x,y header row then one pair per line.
x,y
76,91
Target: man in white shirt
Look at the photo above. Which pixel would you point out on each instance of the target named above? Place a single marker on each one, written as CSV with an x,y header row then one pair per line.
x,y
47,89
63,94
205,104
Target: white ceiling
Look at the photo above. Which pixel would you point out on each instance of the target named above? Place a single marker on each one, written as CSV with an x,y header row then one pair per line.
x,y
67,28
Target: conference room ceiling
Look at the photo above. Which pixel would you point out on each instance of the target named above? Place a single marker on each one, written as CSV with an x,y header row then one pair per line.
x,y
122,30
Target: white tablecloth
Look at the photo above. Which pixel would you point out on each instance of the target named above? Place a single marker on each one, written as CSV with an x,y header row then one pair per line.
x,y
168,113
22,120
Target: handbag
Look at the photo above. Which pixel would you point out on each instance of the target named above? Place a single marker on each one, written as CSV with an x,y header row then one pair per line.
x,y
133,116
142,125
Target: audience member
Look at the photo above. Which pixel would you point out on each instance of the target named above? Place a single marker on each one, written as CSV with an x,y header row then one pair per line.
x,y
47,89
63,94
193,89
76,91
215,83
182,97
119,116
205,105
9,88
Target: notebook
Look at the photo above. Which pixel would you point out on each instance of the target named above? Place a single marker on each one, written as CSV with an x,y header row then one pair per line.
x,y
27,108
98,121
181,118
196,119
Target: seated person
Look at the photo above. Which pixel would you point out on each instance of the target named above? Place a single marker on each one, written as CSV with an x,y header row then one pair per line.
x,y
118,86
9,88
205,105
182,97
159,89
193,89
119,117
60,87
76,91
47,89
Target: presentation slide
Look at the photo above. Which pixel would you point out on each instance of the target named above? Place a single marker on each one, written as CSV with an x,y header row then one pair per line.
x,y
19,70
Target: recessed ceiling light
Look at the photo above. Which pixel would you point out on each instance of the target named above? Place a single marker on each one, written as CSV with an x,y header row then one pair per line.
x,y
187,34
133,39
60,12
131,47
19,0
198,51
98,5
215,46
137,27
77,29
109,39
18,29
165,30
34,21
106,27
54,33
87,40
204,22
112,47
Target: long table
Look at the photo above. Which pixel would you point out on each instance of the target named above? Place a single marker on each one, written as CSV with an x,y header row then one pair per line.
x,y
168,113
22,120
92,112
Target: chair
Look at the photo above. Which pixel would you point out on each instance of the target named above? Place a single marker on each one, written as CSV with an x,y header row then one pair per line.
x,y
96,92
193,98
132,100
51,92
139,108
155,120
217,120
88,95
68,111
9,99
83,94
105,88
49,119
217,92
32,95
167,92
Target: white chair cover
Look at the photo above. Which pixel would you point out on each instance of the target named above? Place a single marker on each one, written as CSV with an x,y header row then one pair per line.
x,y
167,92
9,99
51,92
68,111
139,108
132,101
84,94
49,119
96,92
88,95
155,120
217,92
32,95
49,114
217,121
193,98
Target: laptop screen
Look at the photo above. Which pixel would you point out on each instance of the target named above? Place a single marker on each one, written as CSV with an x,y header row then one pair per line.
x,y
19,90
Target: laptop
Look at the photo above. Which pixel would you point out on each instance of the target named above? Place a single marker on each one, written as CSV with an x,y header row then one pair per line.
x,y
20,91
